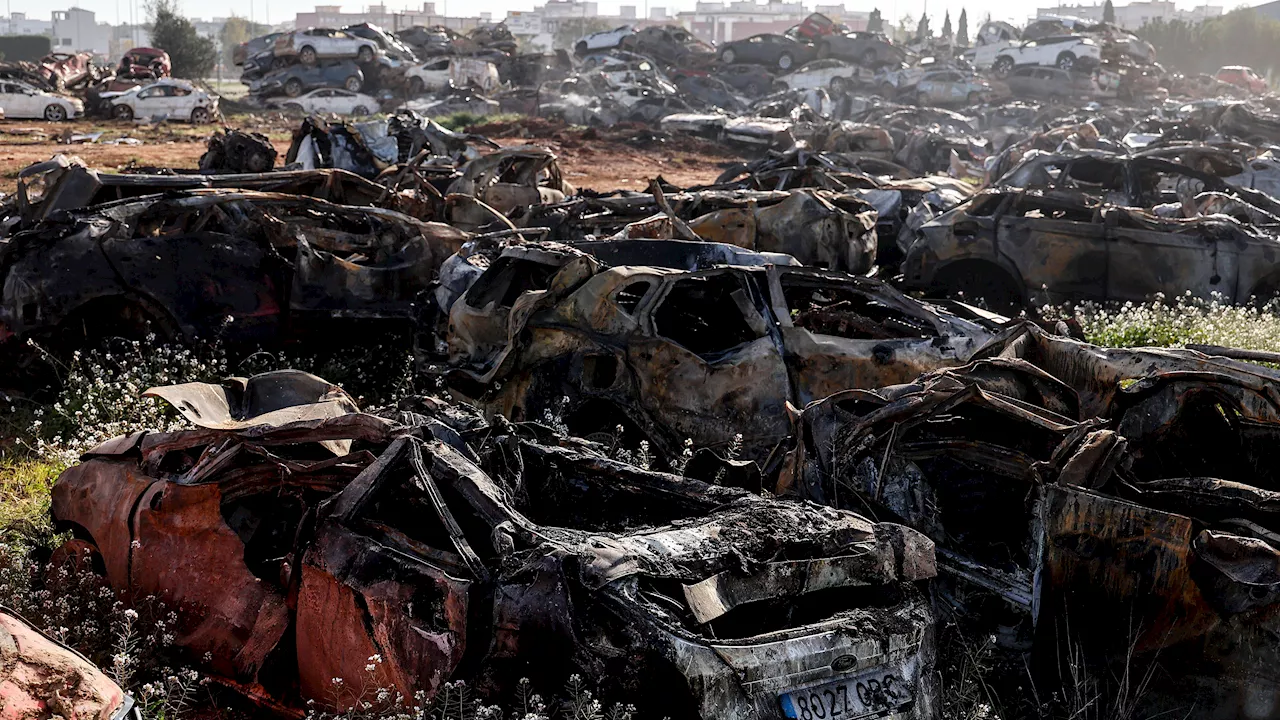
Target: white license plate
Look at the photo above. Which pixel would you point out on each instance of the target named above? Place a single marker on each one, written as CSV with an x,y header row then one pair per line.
x,y
873,693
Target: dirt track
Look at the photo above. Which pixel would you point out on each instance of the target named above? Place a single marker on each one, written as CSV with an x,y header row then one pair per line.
x,y
624,159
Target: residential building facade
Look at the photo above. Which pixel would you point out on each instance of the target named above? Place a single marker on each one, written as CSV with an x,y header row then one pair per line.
x,y
1135,14
77,30
387,18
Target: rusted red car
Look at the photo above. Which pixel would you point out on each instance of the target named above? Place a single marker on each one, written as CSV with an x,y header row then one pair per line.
x,y
304,541
65,70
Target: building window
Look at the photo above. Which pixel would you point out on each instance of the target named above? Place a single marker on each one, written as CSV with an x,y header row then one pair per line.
x,y
66,41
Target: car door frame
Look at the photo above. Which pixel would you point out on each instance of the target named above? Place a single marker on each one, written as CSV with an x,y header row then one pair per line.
x,y
820,365
717,423
1038,271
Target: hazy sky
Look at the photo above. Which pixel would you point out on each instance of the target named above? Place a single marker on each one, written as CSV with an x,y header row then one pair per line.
x,y
279,10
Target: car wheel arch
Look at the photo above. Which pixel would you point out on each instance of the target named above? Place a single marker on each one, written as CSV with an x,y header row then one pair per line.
x,y
974,267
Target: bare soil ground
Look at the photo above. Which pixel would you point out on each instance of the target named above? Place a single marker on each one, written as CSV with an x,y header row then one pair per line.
x,y
624,157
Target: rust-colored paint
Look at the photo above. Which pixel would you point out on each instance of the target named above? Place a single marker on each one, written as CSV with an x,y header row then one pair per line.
x,y
186,555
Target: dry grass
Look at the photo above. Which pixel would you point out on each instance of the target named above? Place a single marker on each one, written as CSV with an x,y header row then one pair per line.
x,y
24,496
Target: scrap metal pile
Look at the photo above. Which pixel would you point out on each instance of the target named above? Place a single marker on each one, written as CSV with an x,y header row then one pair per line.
x,y
757,443
65,86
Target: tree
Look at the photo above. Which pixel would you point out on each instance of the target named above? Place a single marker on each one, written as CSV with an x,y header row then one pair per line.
x,y
1108,12
875,23
193,56
1240,37
946,27
905,30
922,30
235,31
962,35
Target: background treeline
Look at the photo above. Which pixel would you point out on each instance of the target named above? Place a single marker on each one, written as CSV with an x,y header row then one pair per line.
x,y
1240,37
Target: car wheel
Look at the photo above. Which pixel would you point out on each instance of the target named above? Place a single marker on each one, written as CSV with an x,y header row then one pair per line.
x,y
277,63
974,98
307,55
416,86
1002,66
728,56
360,110
293,88
76,557
838,84
365,55
123,112
200,116
295,107
752,88
779,86
580,49
922,99
887,90
353,84
55,113
1066,61
785,61
869,59
980,283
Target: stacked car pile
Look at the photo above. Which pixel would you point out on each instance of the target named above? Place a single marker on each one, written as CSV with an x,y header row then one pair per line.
x,y
321,69
66,86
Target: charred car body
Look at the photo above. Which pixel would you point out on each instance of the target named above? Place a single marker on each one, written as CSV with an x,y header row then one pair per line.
x,y
674,355
381,539
140,266
1101,227
1151,522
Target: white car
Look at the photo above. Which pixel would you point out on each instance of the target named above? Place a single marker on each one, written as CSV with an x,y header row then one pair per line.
x,y
603,40
438,72
833,74
330,100
1063,51
20,100
166,99
314,43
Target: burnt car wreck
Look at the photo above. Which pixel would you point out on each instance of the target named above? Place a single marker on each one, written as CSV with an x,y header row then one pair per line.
x,y
1151,523
453,548
768,435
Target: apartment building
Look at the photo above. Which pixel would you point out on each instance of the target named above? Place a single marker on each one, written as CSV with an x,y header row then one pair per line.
x,y
1135,14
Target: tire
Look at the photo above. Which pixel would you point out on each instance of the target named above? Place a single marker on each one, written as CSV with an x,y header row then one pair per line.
x,y
1003,66
295,107
785,61
365,54
123,112
974,98
752,89
307,55
360,110
55,113
779,86
76,556
353,84
922,99
979,282
580,49
887,91
278,62
1066,61
839,84
869,59
728,56
293,87
200,116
